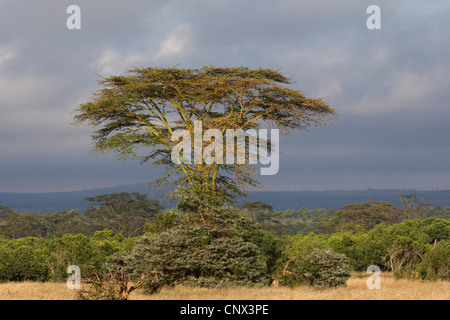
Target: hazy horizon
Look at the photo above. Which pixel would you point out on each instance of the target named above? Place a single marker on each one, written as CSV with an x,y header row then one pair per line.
x,y
140,184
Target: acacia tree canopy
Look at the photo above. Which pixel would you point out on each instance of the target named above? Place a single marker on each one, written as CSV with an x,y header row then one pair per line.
x,y
366,215
140,111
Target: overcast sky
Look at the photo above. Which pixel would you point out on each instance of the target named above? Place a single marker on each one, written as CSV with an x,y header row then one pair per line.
x,y
390,87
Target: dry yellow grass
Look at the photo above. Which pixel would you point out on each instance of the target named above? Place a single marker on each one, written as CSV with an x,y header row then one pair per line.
x,y
391,289
35,291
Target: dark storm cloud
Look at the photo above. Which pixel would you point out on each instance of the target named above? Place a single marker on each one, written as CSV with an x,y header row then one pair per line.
x,y
389,86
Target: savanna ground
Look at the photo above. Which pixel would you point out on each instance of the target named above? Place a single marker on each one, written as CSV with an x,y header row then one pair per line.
x,y
356,289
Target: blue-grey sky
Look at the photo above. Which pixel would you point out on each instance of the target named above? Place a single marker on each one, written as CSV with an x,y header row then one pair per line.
x,y
390,86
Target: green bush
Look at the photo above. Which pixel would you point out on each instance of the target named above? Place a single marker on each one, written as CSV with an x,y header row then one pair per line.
x,y
23,260
41,259
271,247
437,262
325,268
292,274
224,253
322,268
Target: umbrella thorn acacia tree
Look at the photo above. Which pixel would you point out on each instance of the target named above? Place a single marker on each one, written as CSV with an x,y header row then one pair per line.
x,y
142,110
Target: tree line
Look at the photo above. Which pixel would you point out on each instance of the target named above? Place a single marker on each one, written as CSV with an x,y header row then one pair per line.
x,y
250,244
131,214
123,213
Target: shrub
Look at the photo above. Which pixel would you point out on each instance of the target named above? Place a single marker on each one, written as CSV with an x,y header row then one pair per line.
x,y
437,262
22,259
41,259
271,247
322,268
206,255
292,274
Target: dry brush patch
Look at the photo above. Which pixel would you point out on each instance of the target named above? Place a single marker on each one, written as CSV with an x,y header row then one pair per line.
x,y
356,289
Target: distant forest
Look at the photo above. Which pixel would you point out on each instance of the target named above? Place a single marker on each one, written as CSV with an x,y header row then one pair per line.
x,y
131,214
53,202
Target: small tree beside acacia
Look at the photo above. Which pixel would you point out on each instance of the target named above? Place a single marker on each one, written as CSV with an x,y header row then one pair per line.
x,y
139,112
124,213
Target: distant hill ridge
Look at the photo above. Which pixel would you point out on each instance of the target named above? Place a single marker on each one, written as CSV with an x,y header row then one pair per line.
x,y
48,202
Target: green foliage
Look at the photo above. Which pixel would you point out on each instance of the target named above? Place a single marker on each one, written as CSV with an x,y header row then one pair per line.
x,y
404,248
201,243
198,200
163,221
14,225
227,253
124,213
5,210
292,274
271,247
47,259
365,215
437,212
263,214
23,259
436,264
411,246
325,269
288,222
303,221
321,268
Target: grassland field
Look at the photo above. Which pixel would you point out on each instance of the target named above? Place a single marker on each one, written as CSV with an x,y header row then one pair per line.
x,y
356,289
